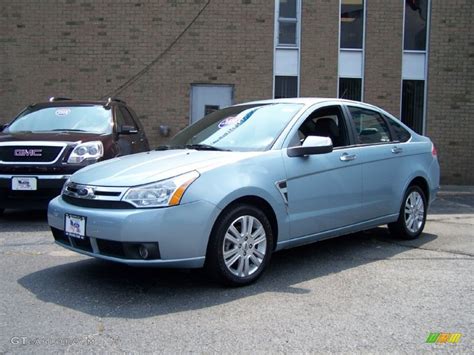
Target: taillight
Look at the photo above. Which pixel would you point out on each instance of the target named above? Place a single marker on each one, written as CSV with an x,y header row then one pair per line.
x,y
434,152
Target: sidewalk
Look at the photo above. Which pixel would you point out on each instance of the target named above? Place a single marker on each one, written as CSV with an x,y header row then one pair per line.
x,y
456,190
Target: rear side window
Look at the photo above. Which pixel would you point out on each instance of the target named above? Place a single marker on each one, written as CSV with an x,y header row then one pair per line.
x,y
370,126
400,133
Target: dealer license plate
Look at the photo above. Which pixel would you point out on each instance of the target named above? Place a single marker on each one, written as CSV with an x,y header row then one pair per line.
x,y
74,226
20,183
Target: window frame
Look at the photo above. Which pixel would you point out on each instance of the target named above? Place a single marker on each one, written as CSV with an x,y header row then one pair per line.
x,y
290,137
296,20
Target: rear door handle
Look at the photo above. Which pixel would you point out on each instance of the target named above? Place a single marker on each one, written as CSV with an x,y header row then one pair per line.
x,y
347,157
397,150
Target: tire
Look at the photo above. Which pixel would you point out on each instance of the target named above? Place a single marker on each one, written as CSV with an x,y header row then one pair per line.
x,y
412,218
235,255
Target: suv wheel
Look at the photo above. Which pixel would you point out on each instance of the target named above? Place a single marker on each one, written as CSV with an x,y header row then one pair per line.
x,y
240,246
412,218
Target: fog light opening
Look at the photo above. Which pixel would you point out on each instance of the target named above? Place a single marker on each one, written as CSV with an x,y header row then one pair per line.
x,y
143,251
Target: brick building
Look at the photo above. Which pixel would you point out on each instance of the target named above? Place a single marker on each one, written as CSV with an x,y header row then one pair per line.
x,y
173,60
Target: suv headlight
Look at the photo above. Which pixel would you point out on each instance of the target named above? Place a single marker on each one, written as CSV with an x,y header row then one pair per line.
x,y
162,193
86,151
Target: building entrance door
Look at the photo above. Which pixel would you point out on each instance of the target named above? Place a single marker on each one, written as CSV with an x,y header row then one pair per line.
x,y
208,98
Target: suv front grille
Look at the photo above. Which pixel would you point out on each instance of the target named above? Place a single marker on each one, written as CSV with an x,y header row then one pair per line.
x,y
30,154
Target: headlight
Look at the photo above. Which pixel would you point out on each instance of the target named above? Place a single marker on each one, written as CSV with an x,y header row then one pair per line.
x,y
86,151
162,193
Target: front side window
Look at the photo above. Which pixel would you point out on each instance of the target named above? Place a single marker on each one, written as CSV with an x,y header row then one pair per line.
x,y
352,23
85,118
240,128
287,23
370,126
324,122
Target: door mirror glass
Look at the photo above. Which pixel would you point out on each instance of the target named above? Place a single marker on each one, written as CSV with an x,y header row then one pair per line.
x,y
312,145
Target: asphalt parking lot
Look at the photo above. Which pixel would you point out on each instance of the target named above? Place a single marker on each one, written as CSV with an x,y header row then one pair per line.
x,y
359,293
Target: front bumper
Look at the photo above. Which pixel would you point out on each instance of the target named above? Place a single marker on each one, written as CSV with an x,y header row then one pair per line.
x,y
48,187
180,232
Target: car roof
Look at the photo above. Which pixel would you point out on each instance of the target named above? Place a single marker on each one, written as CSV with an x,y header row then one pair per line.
x,y
309,101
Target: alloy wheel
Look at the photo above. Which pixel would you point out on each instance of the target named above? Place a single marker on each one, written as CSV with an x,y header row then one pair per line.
x,y
245,245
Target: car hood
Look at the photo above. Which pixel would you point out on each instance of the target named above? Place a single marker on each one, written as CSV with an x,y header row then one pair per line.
x,y
50,137
144,168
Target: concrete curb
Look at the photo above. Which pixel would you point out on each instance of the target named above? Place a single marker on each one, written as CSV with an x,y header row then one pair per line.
x,y
456,189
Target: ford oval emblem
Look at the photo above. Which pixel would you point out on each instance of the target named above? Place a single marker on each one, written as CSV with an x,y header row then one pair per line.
x,y
85,192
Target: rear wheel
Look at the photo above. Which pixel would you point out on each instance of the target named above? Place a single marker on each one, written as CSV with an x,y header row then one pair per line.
x,y
240,246
412,218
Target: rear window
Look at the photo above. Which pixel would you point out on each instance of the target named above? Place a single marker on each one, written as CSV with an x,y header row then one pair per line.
x,y
91,119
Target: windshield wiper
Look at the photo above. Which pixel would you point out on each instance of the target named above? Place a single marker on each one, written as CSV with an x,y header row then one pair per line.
x,y
66,130
205,147
169,147
191,146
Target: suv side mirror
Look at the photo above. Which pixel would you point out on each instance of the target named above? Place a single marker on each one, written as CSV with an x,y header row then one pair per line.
x,y
127,129
311,145
3,126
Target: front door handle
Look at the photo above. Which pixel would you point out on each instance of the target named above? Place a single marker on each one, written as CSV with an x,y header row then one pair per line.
x,y
397,150
347,157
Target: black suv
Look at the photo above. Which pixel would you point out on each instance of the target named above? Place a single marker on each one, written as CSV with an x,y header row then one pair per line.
x,y
49,141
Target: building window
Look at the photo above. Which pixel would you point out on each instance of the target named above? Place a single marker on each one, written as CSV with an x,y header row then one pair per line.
x,y
288,23
416,15
286,86
350,88
352,23
413,101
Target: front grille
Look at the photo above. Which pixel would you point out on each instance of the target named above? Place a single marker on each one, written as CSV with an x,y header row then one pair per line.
x,y
29,153
81,202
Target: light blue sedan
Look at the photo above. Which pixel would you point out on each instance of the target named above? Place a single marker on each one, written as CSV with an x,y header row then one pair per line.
x,y
248,180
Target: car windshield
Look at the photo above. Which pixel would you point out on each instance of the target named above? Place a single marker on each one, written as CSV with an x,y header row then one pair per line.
x,y
240,128
90,119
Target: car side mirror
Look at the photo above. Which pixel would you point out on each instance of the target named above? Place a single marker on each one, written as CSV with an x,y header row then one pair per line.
x,y
311,145
3,126
127,129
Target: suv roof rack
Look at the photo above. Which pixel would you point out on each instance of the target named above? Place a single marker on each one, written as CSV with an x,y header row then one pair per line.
x,y
113,99
53,99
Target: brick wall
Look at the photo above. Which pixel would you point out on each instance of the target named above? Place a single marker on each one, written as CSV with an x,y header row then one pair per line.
x,y
450,115
383,54
319,48
86,49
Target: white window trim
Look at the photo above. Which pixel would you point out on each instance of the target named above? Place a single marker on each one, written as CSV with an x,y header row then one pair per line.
x,y
362,50
276,44
426,52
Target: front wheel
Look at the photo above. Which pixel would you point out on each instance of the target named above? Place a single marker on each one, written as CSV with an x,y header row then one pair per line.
x,y
240,246
412,218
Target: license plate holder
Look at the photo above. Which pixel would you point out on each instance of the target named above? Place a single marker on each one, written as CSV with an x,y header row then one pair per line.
x,y
24,183
75,226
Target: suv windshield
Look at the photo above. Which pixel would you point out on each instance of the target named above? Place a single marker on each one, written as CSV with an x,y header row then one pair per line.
x,y
241,128
91,119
